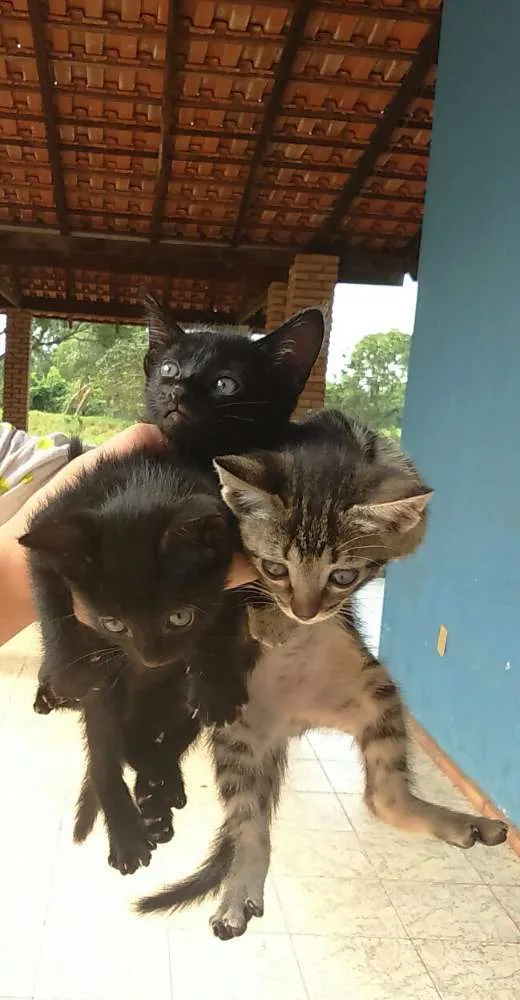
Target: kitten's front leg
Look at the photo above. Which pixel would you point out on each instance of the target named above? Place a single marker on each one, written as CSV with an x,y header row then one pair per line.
x,y
379,728
249,785
130,843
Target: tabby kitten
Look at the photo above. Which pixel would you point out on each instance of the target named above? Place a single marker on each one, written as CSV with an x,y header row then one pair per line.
x,y
129,564
318,519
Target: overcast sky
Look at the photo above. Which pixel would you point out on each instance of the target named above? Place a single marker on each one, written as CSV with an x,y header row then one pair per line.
x,y
363,309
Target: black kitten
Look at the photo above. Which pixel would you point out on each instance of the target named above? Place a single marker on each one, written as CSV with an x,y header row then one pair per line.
x,y
128,565
211,392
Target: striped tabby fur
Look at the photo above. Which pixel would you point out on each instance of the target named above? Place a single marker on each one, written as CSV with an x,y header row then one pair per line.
x,y
341,500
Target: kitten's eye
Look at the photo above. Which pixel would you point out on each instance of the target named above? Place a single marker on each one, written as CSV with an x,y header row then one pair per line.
x,y
343,577
170,369
113,625
275,570
182,618
226,386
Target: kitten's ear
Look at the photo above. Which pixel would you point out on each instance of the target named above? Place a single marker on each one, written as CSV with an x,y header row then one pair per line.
x,y
163,331
246,483
400,516
200,521
295,345
63,542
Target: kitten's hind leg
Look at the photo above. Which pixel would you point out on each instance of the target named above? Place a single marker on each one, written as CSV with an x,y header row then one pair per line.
x,y
249,784
87,808
381,735
249,787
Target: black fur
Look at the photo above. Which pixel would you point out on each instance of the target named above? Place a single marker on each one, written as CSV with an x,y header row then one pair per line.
x,y
134,539
124,717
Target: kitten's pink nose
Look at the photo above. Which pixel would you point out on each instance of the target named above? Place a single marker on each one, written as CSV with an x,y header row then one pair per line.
x,y
306,608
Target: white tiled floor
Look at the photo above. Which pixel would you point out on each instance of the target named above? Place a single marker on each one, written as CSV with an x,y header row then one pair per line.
x,y
354,911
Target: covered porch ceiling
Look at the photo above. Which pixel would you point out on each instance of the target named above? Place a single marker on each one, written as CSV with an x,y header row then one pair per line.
x,y
194,147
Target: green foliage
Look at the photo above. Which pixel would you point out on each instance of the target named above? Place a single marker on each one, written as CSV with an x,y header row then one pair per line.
x,y
87,369
93,430
48,391
372,385
118,378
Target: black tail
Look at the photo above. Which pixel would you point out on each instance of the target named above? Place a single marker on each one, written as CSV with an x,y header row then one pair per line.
x,y
205,882
87,809
75,448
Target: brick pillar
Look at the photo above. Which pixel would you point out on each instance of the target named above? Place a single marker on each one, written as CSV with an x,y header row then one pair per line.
x,y
16,367
275,308
312,280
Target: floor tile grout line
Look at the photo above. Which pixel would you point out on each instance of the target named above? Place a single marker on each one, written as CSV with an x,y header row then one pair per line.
x,y
438,992
510,885
169,945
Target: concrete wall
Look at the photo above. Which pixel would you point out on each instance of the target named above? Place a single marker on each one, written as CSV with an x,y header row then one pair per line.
x,y
462,418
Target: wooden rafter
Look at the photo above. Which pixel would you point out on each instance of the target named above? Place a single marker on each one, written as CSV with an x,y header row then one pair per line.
x,y
169,115
10,294
381,136
277,138
113,311
302,12
376,12
101,256
345,117
46,81
128,97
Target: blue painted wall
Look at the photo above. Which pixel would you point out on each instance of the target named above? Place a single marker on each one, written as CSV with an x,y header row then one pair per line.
x,y
462,415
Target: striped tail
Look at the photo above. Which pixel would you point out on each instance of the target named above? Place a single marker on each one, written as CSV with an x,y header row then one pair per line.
x,y
203,883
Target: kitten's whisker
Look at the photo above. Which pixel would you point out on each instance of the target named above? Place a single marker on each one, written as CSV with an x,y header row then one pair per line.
x,y
244,420
62,618
242,402
94,652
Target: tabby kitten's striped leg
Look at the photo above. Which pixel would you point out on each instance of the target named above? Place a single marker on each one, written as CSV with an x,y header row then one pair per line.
x,y
249,784
381,735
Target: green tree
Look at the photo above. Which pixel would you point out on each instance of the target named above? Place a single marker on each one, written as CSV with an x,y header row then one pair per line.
x,y
118,377
48,391
372,385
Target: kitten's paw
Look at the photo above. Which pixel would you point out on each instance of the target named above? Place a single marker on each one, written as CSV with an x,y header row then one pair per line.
x,y
131,846
464,830
46,701
479,830
170,791
233,916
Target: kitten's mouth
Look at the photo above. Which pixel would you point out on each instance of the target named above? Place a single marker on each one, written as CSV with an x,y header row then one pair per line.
x,y
177,416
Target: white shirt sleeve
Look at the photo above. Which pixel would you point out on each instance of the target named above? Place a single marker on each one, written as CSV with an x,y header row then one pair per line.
x,y
27,463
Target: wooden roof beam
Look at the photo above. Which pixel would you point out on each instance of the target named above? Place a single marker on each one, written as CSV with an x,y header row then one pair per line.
x,y
116,311
10,294
140,30
323,114
169,117
381,136
46,81
302,12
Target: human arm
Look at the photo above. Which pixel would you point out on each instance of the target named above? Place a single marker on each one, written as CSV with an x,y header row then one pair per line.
x,y
16,602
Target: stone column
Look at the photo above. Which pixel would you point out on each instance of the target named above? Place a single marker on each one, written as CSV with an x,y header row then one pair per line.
x,y
16,367
275,308
312,280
